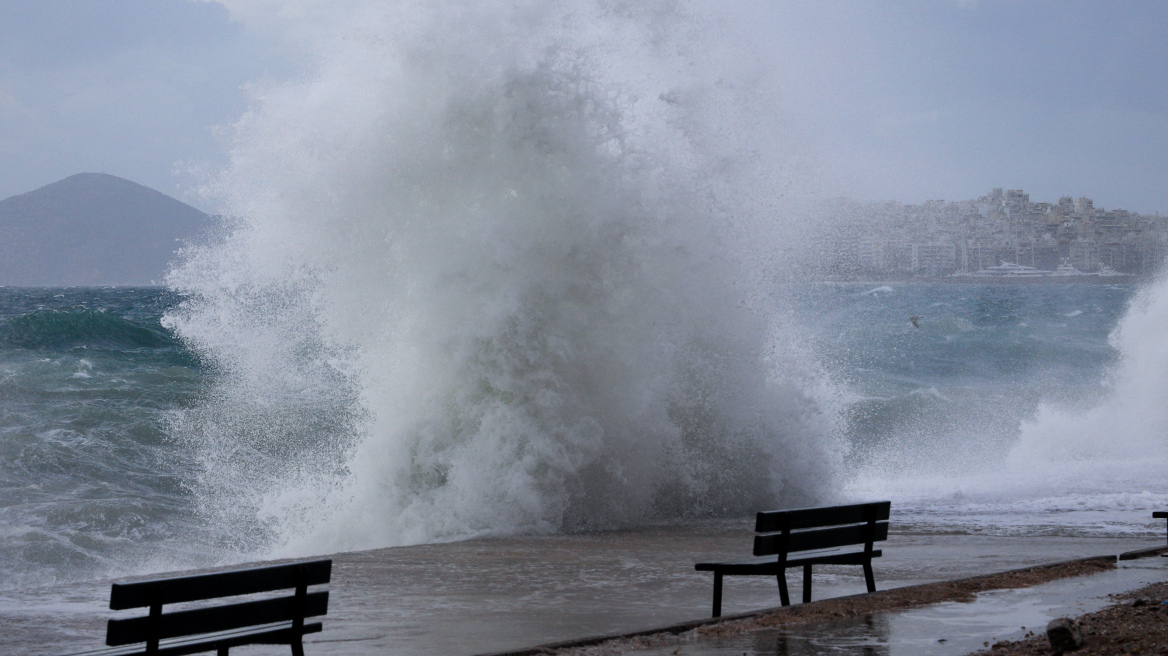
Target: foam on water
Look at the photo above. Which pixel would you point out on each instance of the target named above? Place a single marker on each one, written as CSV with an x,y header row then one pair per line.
x,y
89,484
498,268
1131,426
1090,463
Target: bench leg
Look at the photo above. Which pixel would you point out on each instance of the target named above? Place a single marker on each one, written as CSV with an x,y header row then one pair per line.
x,y
869,578
297,648
783,598
222,651
717,594
807,584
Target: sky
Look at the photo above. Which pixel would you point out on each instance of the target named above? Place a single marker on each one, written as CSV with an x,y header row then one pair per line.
x,y
913,100
897,100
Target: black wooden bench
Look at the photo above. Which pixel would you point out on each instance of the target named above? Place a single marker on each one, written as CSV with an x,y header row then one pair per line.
x,y
832,535
269,621
1160,514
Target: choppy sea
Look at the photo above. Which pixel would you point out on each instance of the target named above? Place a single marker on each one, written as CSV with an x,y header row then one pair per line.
x,y
959,419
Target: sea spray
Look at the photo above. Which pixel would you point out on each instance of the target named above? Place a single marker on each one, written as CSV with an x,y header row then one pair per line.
x,y
1106,457
1131,423
497,268
1043,425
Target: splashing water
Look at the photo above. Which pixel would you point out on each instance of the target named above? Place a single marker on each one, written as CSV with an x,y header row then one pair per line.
x,y
497,270
1132,425
1060,436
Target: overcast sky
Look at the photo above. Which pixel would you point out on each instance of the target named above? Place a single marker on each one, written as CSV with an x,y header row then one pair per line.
x,y
898,100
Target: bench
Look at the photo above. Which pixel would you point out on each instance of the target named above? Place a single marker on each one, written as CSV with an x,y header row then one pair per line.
x,y
1160,514
270,621
832,535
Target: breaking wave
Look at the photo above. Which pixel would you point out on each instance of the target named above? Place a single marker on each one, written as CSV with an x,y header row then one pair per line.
x,y
1131,424
1051,429
499,269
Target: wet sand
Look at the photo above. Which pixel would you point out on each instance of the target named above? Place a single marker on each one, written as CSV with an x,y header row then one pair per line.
x,y
494,595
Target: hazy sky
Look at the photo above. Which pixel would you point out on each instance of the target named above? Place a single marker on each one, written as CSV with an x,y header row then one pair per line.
x,y
898,100
917,100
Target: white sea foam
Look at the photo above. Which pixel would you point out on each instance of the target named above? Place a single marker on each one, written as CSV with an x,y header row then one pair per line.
x,y
498,268
1090,468
1131,425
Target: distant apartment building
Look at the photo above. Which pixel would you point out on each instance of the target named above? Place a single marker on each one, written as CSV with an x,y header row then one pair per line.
x,y
937,238
886,256
934,259
899,257
1083,255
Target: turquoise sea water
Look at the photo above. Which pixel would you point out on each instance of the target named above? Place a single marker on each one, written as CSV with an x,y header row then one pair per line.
x,y
1008,409
97,477
981,357
89,481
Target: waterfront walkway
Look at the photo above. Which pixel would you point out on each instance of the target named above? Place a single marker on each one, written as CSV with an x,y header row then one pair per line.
x,y
484,596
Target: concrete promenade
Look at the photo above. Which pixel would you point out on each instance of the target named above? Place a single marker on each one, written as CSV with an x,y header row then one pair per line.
x,y
494,595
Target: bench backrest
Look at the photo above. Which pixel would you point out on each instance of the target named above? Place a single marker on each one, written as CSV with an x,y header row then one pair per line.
x,y
154,594
784,531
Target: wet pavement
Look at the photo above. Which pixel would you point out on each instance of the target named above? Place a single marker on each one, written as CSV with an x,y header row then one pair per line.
x,y
951,628
492,595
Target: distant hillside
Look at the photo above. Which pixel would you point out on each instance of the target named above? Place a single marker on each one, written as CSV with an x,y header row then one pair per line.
x,y
92,229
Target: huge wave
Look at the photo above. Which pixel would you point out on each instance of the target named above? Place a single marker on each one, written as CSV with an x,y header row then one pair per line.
x,y
498,268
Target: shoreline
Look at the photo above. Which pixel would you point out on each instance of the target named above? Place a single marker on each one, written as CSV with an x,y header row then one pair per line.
x,y
506,594
851,606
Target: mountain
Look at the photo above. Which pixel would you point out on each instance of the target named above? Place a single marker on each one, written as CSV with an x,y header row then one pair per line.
x,y
93,229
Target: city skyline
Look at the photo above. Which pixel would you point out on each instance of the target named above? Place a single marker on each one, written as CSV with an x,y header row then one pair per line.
x,y
1004,226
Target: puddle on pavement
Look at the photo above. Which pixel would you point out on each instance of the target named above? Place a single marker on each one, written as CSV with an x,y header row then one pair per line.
x,y
951,628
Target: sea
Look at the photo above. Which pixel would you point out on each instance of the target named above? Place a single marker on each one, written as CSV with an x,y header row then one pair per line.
x,y
997,413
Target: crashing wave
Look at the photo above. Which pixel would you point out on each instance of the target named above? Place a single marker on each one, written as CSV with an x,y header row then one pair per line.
x,y
496,269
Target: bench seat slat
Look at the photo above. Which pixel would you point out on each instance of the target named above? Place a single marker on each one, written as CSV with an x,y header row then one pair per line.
x,y
775,520
220,584
768,565
218,618
278,636
819,538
